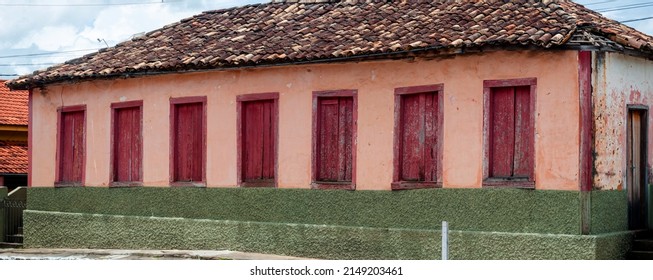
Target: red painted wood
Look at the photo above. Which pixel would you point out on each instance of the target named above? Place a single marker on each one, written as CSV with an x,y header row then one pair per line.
x,y
127,155
258,140
419,125
418,122
523,154
502,141
334,139
586,133
188,142
334,146
71,148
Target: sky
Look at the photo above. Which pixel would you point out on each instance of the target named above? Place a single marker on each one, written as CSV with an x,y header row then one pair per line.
x,y
35,34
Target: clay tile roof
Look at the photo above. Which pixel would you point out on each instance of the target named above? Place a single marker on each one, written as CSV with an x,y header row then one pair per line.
x,y
13,106
301,31
13,157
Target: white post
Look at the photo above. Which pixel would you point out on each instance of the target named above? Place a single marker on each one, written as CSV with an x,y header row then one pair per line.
x,y
445,241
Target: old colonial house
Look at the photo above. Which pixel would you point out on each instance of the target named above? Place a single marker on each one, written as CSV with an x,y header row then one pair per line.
x,y
524,124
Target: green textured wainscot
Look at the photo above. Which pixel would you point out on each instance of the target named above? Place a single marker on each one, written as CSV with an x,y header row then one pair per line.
x,y
501,210
74,230
609,211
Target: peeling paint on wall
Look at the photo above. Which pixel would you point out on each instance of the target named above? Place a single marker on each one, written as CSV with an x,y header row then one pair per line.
x,y
618,81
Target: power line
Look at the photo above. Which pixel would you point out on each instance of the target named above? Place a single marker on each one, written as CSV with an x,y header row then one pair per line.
x,y
597,3
28,64
637,19
46,53
9,75
87,5
625,7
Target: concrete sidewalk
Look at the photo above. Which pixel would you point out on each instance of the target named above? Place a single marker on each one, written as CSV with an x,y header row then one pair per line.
x,y
111,254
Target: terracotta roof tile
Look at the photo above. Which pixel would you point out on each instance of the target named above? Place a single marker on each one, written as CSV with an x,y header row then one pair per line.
x,y
13,106
300,31
13,157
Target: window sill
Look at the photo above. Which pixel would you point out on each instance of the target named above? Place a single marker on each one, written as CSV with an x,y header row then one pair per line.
x,y
188,184
258,184
68,184
412,185
125,184
323,185
516,183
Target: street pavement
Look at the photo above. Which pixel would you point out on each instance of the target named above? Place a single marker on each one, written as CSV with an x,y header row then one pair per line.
x,y
110,254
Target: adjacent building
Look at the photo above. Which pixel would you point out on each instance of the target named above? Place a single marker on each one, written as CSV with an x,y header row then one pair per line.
x,y
13,137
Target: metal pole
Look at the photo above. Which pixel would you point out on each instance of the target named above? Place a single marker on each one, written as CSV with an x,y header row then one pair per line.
x,y
445,241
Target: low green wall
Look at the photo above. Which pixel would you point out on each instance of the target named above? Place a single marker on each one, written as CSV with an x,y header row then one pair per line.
x,y
502,210
74,230
609,211
484,223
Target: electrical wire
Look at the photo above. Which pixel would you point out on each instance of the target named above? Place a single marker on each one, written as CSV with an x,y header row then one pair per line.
x,y
87,5
637,19
28,64
625,7
597,3
46,53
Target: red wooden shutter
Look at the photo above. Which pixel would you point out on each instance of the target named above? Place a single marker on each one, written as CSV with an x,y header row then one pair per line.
x,y
72,147
334,146
189,142
127,145
511,133
503,132
419,126
523,162
258,140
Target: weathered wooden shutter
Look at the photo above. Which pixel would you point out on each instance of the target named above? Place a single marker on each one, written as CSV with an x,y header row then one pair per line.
x,y
511,133
258,140
334,132
72,147
419,127
189,146
127,145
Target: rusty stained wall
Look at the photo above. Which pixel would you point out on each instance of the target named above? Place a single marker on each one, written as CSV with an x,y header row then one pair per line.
x,y
618,81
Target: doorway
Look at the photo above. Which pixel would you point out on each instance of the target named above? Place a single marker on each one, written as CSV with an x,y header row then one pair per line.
x,y
636,177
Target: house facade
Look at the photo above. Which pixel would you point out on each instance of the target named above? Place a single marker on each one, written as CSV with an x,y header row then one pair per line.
x,y
527,125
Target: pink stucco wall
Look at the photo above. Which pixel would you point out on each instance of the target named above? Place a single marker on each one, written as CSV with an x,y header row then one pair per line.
x,y
556,122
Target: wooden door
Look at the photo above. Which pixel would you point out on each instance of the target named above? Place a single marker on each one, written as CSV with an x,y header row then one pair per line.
x,y
127,145
418,141
258,130
71,147
334,154
636,173
189,142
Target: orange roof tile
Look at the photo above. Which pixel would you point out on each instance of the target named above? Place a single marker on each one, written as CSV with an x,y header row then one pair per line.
x,y
310,31
13,106
13,157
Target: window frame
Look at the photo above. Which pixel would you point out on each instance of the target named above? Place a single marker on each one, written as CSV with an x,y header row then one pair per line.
x,y
240,99
60,111
488,85
114,107
174,101
317,95
397,184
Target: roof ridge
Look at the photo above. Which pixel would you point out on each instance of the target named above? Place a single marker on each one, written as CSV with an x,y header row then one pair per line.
x,y
408,1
